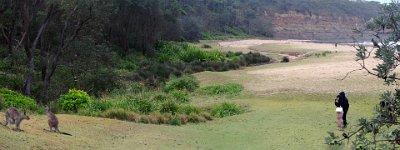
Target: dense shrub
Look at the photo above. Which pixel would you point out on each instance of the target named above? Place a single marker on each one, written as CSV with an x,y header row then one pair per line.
x,y
169,107
2,103
144,106
14,99
255,58
160,97
74,99
285,59
95,108
157,118
11,82
119,114
180,96
206,46
224,89
226,109
188,109
195,118
206,115
188,82
175,121
98,81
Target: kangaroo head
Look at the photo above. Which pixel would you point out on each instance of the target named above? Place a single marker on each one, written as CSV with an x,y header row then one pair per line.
x,y
25,116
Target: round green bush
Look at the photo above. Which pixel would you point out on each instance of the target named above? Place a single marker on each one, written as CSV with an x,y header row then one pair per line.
x,y
188,109
14,99
189,83
169,107
119,114
175,121
226,109
144,106
285,59
74,100
180,96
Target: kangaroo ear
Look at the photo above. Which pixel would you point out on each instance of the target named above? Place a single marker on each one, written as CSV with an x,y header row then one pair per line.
x,y
24,112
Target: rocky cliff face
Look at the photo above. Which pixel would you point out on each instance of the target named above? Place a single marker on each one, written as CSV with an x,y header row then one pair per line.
x,y
294,25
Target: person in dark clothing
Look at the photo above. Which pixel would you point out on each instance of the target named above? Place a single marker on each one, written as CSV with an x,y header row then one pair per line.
x,y
344,103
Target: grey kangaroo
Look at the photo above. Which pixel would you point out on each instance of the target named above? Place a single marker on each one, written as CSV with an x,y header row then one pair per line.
x,y
14,116
52,120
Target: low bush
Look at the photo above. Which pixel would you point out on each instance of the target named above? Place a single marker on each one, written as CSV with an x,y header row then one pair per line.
x,y
195,118
206,46
144,106
14,99
11,82
206,115
224,89
226,109
175,121
285,59
2,103
161,97
180,96
74,100
188,109
255,58
95,108
157,118
133,117
169,107
182,118
188,83
119,114
144,119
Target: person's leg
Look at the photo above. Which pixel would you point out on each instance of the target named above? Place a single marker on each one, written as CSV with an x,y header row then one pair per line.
x,y
340,120
345,116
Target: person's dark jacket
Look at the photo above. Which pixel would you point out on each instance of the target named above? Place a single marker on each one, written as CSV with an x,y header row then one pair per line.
x,y
342,102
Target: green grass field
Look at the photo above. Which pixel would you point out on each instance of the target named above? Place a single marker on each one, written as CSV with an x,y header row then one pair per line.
x,y
289,106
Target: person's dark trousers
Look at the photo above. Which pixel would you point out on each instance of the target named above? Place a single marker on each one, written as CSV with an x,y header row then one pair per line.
x,y
344,116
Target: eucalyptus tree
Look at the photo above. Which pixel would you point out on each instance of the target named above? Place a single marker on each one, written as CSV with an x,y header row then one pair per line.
x,y
383,130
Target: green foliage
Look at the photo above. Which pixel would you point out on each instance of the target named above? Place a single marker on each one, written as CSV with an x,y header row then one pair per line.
x,y
14,99
101,80
160,97
380,132
323,54
119,114
175,121
95,108
74,99
206,46
224,89
255,58
2,103
188,109
11,82
169,107
188,83
226,109
285,59
180,96
144,106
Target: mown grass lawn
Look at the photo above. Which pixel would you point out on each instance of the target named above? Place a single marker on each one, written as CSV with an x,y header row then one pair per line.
x,y
289,106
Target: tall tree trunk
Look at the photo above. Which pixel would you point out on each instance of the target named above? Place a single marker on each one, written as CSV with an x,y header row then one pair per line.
x,y
30,51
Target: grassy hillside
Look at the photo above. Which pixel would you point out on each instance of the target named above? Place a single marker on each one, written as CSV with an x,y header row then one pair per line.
x,y
290,106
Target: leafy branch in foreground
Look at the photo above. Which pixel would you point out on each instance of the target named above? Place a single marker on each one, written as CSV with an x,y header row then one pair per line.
x,y
383,130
